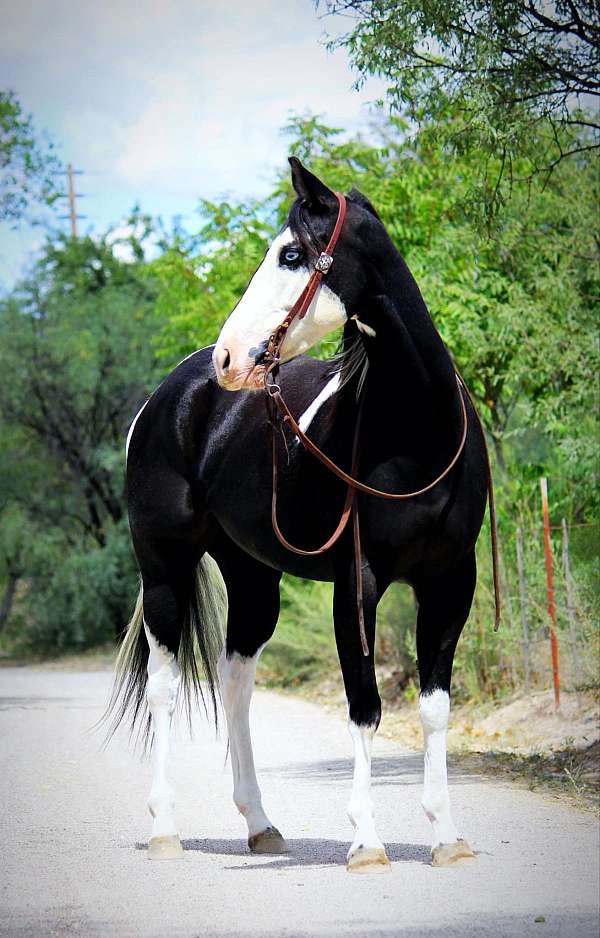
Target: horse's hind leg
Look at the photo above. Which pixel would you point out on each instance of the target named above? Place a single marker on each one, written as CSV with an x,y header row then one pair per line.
x,y
161,694
444,604
367,853
167,584
253,609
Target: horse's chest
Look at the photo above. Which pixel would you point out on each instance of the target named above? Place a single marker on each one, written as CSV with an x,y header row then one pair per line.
x,y
309,505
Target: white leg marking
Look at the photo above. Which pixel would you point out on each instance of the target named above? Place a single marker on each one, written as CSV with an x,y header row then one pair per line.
x,y
360,808
161,693
324,395
236,675
434,709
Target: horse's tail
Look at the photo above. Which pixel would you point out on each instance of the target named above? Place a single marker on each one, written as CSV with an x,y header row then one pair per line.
x,y
200,644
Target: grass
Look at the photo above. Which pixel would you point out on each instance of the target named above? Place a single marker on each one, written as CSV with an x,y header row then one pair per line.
x,y
99,658
302,651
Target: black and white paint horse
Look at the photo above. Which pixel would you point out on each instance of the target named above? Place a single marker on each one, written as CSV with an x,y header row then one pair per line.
x,y
199,487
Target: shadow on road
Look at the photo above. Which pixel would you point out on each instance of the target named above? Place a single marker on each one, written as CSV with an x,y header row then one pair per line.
x,y
406,769
303,852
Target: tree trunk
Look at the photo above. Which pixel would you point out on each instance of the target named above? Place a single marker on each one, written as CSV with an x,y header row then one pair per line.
x,y
7,599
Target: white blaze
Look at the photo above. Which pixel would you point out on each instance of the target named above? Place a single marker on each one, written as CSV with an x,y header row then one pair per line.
x,y
270,295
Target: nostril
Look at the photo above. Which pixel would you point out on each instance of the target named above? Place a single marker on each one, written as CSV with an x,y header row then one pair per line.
x,y
222,359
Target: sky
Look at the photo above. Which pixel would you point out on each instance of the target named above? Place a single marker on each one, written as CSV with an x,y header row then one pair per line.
x,y
162,103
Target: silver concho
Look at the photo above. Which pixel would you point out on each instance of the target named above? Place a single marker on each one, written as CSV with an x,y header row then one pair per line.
x,y
324,263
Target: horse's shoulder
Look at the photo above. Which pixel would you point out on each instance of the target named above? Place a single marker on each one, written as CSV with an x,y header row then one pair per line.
x,y
191,374
194,367
172,404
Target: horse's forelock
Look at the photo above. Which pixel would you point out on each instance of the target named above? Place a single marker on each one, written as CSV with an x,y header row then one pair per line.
x,y
299,223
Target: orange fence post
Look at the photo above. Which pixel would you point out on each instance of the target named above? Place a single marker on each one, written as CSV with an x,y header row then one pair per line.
x,y
550,592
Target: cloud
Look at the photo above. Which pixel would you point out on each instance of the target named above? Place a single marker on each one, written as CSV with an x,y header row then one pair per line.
x,y
120,241
217,120
163,101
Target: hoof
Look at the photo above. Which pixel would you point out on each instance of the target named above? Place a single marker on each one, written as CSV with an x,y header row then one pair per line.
x,y
268,841
447,854
368,860
165,848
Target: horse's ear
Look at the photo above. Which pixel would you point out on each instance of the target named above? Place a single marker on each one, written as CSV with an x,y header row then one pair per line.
x,y
309,187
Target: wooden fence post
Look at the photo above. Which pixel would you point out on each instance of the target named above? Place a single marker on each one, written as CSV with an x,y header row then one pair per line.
x,y
550,592
506,661
570,603
523,606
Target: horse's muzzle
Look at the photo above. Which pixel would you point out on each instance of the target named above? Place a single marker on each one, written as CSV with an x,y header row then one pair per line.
x,y
237,376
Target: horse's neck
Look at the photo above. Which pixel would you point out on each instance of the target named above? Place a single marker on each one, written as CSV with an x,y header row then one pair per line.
x,y
411,400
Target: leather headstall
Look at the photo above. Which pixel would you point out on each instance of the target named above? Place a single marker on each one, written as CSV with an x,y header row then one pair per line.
x,y
300,307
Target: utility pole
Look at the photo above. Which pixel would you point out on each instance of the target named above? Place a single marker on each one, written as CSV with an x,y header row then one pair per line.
x,y
71,195
71,198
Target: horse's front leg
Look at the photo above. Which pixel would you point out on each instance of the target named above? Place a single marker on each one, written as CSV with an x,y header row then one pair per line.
x,y
367,853
236,676
444,604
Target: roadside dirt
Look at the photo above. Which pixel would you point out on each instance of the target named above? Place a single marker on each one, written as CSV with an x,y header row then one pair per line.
x,y
525,724
522,738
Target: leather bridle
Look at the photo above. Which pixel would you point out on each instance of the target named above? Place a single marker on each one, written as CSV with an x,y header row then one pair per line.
x,y
300,307
274,397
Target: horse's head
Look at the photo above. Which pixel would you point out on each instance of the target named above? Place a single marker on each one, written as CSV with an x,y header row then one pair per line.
x,y
240,350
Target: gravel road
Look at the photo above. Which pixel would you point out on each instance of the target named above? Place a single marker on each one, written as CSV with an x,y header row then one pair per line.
x,y
74,830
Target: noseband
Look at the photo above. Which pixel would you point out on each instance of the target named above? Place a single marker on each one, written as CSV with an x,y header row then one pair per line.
x,y
274,397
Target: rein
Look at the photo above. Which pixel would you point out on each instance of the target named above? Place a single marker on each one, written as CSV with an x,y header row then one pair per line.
x,y
275,399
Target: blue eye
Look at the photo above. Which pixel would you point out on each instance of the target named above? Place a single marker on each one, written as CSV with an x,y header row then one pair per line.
x,y
289,256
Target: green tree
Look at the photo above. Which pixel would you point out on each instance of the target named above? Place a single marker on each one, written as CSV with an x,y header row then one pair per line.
x,y
517,309
201,277
512,79
27,163
77,362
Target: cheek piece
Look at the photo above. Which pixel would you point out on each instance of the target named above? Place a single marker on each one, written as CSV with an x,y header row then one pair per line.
x,y
300,307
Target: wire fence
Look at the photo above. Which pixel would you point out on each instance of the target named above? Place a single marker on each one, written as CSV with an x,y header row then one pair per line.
x,y
544,593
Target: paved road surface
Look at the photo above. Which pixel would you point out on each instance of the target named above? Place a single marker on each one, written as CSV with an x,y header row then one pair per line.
x,y
74,826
